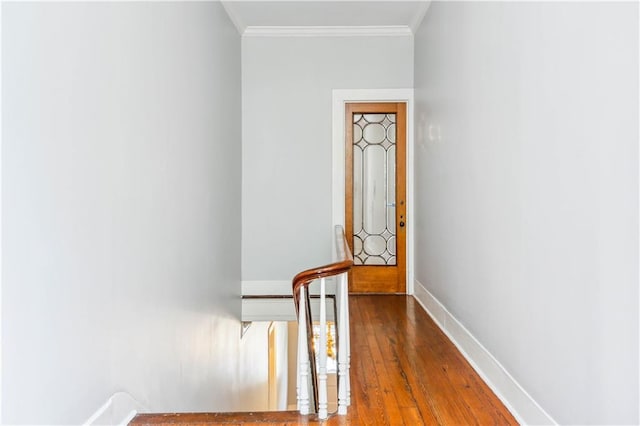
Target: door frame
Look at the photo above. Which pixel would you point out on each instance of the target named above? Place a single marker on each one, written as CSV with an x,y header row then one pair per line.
x,y
340,98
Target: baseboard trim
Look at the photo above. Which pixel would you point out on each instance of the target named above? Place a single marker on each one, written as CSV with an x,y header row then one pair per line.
x,y
280,308
523,407
119,410
266,288
281,288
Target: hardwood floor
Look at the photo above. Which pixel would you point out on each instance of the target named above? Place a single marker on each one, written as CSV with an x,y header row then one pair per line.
x,y
404,371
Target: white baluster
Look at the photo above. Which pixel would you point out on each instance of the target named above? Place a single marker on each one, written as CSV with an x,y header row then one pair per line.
x,y
343,336
322,354
347,335
303,356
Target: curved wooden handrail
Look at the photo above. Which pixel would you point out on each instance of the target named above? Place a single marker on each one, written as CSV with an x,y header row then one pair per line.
x,y
343,263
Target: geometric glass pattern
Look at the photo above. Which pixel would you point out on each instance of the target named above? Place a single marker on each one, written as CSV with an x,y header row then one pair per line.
x,y
374,189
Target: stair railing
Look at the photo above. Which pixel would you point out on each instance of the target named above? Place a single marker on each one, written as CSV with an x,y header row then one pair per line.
x,y
312,376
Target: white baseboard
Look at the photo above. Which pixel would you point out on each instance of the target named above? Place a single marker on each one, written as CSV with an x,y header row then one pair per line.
x,y
268,310
280,309
280,288
523,407
119,410
266,288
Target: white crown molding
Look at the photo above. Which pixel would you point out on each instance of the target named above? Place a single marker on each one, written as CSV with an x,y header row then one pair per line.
x,y
235,19
328,31
419,17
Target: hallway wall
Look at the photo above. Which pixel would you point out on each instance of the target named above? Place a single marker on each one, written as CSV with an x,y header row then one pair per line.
x,y
527,193
121,188
287,85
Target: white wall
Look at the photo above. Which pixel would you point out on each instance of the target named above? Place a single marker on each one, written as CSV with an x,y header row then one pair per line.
x,y
527,227
121,188
287,85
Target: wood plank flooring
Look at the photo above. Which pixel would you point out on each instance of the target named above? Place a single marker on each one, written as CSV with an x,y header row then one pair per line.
x,y
404,371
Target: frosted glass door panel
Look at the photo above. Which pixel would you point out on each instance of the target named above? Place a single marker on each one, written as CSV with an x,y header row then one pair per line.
x,y
373,190
374,179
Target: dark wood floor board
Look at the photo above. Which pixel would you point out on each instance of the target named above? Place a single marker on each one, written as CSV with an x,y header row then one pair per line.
x,y
410,393
392,374
404,371
437,356
412,417
368,404
383,372
474,392
432,367
367,395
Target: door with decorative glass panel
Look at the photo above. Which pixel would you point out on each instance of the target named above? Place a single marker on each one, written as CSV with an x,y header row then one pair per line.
x,y
375,188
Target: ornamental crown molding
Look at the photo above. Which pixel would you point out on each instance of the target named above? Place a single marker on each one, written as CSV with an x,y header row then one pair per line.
x,y
328,31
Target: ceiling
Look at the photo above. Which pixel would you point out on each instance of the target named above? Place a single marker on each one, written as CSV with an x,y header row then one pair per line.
x,y
251,15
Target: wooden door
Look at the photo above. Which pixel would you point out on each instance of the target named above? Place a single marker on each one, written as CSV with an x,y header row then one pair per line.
x,y
375,189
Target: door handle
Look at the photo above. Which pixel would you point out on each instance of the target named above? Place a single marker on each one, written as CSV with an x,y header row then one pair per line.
x,y
401,224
